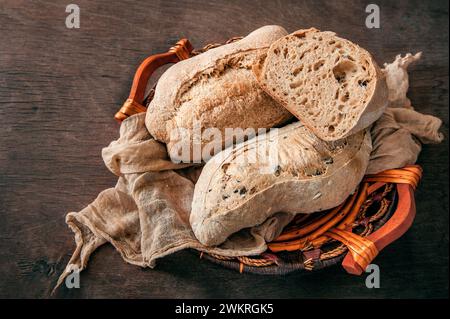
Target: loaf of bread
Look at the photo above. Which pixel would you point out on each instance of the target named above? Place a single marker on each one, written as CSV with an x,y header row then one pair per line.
x,y
214,90
330,84
242,186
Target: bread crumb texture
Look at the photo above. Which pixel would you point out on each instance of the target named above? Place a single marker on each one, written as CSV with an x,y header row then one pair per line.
x,y
325,81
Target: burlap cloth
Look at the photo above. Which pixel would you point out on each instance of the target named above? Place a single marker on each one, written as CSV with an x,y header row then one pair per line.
x,y
146,215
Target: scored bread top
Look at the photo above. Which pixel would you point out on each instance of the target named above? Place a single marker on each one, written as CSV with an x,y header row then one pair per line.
x,y
329,83
214,90
242,186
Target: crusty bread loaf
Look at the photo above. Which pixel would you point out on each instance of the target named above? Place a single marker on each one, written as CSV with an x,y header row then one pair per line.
x,y
331,84
235,190
215,89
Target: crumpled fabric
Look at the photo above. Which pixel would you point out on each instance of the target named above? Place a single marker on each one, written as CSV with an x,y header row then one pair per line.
x,y
397,79
397,138
146,215
398,135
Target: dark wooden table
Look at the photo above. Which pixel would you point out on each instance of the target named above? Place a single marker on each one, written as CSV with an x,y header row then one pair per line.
x,y
59,90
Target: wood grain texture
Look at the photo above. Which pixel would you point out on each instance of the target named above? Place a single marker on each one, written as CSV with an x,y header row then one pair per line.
x,y
60,88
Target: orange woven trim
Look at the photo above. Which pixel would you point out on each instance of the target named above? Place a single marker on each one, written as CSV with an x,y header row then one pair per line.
x,y
365,246
304,242
310,227
410,174
136,100
363,250
312,235
351,217
394,179
131,107
182,49
374,187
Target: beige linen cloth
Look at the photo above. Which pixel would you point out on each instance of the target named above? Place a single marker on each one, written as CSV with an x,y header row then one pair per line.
x,y
146,215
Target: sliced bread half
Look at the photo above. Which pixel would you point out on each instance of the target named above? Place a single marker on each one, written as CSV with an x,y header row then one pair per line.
x,y
331,84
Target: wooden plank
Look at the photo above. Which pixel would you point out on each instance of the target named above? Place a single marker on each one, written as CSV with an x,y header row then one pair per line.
x,y
60,88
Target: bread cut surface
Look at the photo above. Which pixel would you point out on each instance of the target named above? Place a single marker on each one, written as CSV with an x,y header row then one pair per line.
x,y
214,90
240,187
331,84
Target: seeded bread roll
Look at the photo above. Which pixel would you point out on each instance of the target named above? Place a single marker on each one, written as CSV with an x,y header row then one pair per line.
x,y
331,84
241,187
212,91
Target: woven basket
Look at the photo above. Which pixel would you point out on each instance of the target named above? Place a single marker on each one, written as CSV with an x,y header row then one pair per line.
x,y
378,213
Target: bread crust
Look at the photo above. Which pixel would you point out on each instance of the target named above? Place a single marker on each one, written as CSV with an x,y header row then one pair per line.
x,y
215,89
311,175
316,106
